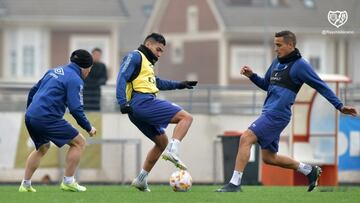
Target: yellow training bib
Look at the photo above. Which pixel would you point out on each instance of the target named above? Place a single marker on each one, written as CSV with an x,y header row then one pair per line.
x,y
145,82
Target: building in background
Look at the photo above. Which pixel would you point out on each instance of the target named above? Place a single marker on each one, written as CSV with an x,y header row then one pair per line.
x,y
132,32
208,40
39,34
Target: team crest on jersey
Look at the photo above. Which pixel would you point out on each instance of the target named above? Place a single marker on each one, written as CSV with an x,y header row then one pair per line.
x,y
152,80
59,71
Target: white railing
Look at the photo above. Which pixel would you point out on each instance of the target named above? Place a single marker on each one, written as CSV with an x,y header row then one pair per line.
x,y
204,99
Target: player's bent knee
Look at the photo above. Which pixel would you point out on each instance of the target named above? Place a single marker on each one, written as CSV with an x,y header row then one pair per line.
x,y
44,148
182,116
161,142
79,141
245,141
82,141
162,147
189,117
269,160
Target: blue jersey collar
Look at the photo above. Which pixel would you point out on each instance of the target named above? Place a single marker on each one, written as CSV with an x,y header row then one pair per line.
x,y
76,68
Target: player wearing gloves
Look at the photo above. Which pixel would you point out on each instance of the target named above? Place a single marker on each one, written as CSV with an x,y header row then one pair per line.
x,y
136,91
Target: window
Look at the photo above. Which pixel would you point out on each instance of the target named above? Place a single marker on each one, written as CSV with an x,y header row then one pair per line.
x,y
177,52
28,60
192,18
13,62
26,53
257,57
315,62
316,57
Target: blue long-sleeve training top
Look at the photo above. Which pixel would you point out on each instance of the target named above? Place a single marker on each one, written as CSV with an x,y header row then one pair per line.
x,y
128,65
279,99
60,87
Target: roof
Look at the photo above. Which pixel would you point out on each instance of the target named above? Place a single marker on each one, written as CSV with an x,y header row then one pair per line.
x,y
291,14
81,8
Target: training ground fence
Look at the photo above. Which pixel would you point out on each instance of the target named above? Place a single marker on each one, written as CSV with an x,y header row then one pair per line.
x,y
244,99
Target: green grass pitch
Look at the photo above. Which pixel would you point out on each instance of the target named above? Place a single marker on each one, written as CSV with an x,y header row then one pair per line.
x,y
163,193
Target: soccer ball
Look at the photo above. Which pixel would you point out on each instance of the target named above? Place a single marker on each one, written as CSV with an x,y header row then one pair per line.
x,y
180,181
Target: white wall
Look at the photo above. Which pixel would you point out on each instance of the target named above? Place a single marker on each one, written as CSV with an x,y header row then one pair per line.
x,y
196,150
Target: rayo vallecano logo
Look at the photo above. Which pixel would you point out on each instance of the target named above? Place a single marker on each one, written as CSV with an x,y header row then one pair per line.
x,y
337,18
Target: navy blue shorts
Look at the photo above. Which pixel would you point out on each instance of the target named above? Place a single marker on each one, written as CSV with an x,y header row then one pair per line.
x,y
152,116
59,132
267,129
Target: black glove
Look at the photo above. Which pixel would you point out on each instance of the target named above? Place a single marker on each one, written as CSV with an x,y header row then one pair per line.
x,y
187,84
126,108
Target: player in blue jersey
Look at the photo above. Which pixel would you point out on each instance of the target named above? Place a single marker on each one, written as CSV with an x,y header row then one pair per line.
x,y
136,89
59,88
287,73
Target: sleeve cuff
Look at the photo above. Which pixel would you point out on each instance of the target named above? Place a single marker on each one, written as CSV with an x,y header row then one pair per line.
x,y
89,128
253,76
340,106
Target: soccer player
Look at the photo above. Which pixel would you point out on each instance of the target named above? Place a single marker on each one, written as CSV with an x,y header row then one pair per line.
x,y
136,91
59,88
287,73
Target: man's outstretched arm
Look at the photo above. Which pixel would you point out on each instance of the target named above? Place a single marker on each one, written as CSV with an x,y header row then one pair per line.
x,y
172,84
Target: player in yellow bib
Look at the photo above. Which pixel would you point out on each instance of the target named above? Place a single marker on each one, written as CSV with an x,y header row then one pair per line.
x,y
136,89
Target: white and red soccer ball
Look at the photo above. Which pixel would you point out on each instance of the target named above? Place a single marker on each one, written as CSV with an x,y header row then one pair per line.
x,y
180,181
